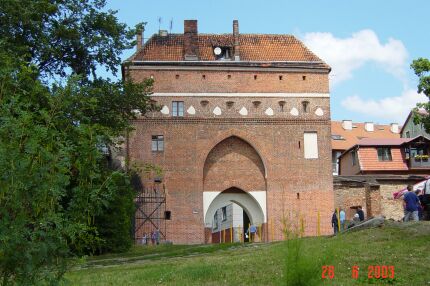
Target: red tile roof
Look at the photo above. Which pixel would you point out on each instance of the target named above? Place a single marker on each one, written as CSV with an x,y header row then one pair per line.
x,y
351,137
382,141
253,47
369,161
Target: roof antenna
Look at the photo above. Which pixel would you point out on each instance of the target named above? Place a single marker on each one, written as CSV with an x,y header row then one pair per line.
x,y
159,23
171,26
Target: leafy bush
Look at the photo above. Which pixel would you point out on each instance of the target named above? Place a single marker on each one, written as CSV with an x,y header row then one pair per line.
x,y
115,223
301,267
58,196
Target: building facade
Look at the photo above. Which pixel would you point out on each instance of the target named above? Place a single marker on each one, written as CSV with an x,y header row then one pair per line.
x,y
401,156
410,129
244,119
345,134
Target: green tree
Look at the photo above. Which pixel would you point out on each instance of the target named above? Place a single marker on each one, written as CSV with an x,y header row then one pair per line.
x,y
421,68
58,194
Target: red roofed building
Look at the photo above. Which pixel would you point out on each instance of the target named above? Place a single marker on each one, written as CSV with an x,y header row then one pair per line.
x,y
245,120
402,156
345,134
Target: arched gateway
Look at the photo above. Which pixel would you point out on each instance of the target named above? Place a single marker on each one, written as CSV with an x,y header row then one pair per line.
x,y
234,195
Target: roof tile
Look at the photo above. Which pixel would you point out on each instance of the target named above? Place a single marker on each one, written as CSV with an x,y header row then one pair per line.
x,y
253,47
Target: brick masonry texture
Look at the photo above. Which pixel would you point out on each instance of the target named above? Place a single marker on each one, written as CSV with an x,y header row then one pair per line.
x,y
205,152
256,107
187,147
239,81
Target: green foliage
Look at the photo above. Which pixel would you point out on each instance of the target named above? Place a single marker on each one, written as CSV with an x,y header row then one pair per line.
x,y
60,36
301,266
115,222
421,68
58,195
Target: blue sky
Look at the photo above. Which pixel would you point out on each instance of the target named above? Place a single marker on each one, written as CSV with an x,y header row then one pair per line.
x,y
369,44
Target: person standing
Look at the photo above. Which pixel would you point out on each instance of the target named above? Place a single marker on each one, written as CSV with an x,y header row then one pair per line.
x,y
153,237
157,236
410,203
360,213
419,205
342,218
334,222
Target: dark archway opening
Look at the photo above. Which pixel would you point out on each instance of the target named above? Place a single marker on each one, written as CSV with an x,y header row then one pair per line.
x,y
246,223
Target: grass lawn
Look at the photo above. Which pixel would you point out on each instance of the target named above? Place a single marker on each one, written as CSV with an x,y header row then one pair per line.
x,y
404,246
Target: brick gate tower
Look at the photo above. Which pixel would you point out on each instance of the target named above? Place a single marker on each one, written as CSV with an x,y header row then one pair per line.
x,y
244,122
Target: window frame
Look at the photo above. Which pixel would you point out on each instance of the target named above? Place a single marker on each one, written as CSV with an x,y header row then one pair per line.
x,y
159,143
178,108
215,221
384,156
354,157
224,214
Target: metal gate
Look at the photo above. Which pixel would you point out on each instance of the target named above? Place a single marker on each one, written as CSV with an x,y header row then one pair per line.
x,y
150,213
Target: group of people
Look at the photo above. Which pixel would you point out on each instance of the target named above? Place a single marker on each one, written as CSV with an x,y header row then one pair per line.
x,y
153,236
358,216
412,206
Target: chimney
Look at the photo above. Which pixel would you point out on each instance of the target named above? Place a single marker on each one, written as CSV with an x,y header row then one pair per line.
x,y
394,128
347,124
369,126
191,41
139,39
236,40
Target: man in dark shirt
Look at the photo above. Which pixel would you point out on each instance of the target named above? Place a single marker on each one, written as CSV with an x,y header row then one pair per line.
x,y
334,222
410,204
360,213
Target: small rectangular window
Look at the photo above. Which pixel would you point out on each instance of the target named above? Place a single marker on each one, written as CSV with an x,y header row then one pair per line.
x,y
215,221
384,154
224,213
177,108
310,143
354,157
408,134
157,143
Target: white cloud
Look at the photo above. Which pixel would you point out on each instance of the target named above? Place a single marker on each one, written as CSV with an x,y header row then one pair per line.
x,y
345,55
393,109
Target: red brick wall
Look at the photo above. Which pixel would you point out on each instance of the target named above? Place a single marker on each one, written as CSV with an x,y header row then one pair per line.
x,y
239,81
187,145
233,162
295,187
205,109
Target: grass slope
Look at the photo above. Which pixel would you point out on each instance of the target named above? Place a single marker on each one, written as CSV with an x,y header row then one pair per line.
x,y
406,246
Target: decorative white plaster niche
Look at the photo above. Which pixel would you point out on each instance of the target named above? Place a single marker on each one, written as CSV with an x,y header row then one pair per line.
x,y
191,110
217,111
319,111
294,111
243,111
165,110
269,111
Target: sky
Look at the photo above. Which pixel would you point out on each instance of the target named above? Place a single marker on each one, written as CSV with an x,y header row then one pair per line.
x,y
369,44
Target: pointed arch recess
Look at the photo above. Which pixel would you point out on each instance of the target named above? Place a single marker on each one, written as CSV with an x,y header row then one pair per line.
x,y
233,162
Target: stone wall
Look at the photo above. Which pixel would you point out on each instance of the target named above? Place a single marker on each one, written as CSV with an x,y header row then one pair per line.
x,y
373,193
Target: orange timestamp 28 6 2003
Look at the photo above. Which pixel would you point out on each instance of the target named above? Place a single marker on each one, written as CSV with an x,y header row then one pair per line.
x,y
373,271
